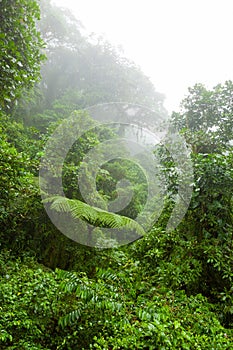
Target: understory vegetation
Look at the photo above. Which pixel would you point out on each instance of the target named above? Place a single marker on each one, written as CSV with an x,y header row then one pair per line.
x,y
167,289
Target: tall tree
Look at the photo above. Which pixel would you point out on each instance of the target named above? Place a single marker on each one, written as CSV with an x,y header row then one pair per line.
x,y
21,44
82,71
206,117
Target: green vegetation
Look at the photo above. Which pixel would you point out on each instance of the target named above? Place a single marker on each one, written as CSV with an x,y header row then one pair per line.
x,y
168,289
20,49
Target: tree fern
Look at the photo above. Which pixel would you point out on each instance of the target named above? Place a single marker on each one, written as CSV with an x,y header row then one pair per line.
x,y
92,215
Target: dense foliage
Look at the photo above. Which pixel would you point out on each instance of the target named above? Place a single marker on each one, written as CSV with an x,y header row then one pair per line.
x,y
20,49
167,290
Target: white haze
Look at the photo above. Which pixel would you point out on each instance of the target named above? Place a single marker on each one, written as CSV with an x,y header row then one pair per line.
x,y
177,43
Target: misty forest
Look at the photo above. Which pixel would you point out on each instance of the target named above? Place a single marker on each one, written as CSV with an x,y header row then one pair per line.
x,y
119,279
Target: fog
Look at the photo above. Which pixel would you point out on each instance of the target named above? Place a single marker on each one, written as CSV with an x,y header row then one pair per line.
x,y
176,43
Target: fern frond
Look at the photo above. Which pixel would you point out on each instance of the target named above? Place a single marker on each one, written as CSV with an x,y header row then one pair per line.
x,y
92,215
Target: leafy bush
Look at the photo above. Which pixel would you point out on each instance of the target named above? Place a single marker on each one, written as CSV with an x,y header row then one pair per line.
x,y
121,311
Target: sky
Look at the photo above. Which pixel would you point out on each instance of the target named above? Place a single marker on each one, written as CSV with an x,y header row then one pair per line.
x,y
177,43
